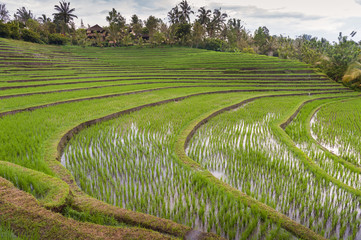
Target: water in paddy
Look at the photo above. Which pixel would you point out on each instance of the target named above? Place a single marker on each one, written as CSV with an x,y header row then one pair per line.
x,y
248,156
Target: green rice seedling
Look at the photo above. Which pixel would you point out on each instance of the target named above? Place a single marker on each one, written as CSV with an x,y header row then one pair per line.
x,y
336,127
130,162
255,161
6,233
127,139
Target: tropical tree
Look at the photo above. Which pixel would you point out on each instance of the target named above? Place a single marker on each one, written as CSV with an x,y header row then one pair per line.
x,y
185,12
204,16
23,15
173,15
151,24
115,17
339,57
4,13
116,26
44,19
159,38
136,25
127,40
182,32
114,34
217,22
166,31
198,33
262,39
64,14
235,24
233,33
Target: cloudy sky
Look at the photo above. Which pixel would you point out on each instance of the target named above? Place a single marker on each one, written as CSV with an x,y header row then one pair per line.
x,y
321,18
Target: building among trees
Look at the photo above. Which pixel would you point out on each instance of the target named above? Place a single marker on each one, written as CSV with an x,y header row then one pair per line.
x,y
96,31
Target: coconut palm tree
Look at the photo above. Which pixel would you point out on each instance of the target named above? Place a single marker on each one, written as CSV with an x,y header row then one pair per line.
x,y
44,19
23,15
185,12
204,16
217,22
4,13
173,15
218,17
64,14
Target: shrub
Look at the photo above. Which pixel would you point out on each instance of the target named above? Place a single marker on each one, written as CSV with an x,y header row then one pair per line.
x,y
248,50
30,36
183,31
4,30
57,39
214,44
14,29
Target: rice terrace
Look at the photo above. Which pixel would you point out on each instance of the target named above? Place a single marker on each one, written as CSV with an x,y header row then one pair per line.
x,y
175,141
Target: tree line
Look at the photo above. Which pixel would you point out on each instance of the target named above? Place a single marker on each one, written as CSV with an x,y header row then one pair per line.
x,y
211,29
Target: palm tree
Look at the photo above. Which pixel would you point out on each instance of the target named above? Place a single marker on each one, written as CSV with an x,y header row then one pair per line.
x,y
219,17
64,13
217,22
204,16
173,15
353,74
4,14
185,12
44,19
23,15
235,24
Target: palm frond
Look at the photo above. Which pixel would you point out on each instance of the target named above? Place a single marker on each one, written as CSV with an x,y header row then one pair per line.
x,y
353,72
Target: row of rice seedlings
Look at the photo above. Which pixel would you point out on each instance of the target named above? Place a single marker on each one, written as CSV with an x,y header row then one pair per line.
x,y
6,233
186,59
332,167
38,99
25,136
297,130
337,127
240,148
129,162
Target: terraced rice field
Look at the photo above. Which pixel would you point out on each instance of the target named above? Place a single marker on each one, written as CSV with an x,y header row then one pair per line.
x,y
165,143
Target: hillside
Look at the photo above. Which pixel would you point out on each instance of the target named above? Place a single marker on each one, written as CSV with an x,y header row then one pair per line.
x,y
163,143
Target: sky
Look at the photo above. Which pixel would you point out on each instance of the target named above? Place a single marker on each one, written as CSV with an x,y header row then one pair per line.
x,y
319,18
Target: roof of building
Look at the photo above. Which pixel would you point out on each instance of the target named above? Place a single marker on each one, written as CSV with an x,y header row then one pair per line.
x,y
96,27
